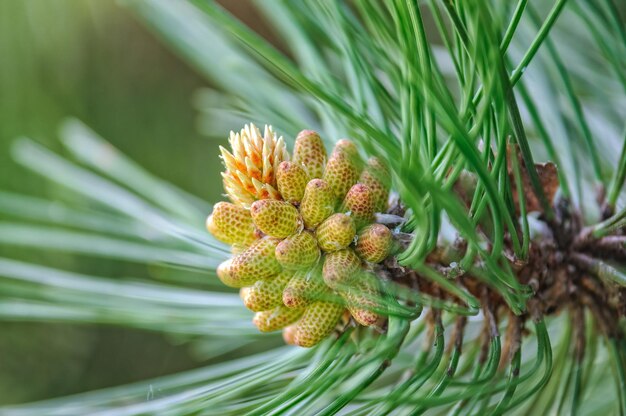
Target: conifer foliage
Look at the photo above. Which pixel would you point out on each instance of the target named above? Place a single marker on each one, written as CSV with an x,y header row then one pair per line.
x,y
462,253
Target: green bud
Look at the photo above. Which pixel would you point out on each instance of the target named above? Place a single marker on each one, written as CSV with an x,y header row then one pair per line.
x,y
309,152
292,180
257,262
231,224
278,219
266,294
317,204
303,288
343,168
336,232
359,203
340,268
317,322
224,274
349,148
377,178
298,251
277,318
374,243
362,298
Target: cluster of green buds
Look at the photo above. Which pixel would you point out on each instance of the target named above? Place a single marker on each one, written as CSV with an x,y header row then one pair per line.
x,y
303,232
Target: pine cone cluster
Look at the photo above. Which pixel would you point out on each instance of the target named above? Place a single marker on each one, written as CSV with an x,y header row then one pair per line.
x,y
302,232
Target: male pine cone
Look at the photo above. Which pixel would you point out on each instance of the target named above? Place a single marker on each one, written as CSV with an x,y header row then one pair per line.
x,y
304,232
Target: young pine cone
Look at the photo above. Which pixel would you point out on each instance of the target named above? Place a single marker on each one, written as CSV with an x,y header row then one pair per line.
x,y
304,232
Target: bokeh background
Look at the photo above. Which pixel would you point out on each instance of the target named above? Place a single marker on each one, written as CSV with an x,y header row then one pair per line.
x,y
92,59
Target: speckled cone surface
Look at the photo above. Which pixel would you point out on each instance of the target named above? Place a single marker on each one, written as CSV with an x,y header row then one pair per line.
x,y
303,288
374,242
309,152
278,219
336,232
302,232
277,318
317,322
291,180
231,224
266,294
223,273
377,178
361,300
318,203
257,262
340,174
298,251
359,202
340,268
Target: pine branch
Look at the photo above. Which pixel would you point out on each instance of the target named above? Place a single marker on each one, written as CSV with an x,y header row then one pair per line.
x,y
507,306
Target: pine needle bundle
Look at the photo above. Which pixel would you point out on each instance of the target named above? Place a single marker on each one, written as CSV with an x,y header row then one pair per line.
x,y
490,281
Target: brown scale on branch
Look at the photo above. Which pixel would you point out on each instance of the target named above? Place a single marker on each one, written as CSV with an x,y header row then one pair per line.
x,y
567,268
562,277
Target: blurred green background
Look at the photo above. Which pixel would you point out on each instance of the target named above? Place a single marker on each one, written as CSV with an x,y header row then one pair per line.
x,y
93,60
